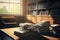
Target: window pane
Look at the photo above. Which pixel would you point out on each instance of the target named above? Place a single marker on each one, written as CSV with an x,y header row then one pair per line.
x,y
15,1
14,8
4,8
4,0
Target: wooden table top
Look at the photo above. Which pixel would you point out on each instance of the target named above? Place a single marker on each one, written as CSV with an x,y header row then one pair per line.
x,y
10,32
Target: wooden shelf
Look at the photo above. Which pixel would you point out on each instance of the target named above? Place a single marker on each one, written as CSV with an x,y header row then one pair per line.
x,y
7,17
31,3
42,1
9,20
10,23
42,9
32,10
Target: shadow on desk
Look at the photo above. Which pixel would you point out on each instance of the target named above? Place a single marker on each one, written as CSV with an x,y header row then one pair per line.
x,y
3,26
53,35
36,37
30,36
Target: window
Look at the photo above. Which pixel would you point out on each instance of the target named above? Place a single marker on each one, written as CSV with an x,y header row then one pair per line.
x,y
10,7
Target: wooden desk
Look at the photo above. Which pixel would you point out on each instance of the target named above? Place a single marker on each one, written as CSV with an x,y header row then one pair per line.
x,y
10,32
51,38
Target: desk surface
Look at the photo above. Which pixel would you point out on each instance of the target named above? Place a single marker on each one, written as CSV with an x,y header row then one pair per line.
x,y
10,32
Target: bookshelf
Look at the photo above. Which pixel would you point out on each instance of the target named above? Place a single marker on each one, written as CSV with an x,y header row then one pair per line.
x,y
37,7
32,7
38,10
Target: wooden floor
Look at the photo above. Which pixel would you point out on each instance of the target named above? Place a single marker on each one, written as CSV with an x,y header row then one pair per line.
x,y
10,32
